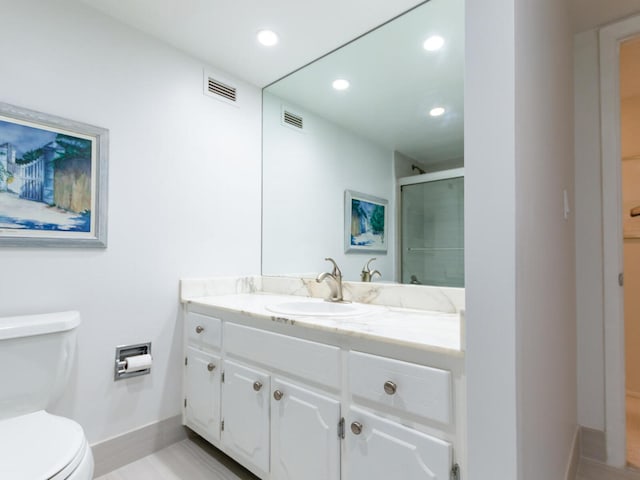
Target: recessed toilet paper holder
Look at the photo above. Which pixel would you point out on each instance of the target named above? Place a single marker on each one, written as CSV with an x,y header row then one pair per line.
x,y
132,360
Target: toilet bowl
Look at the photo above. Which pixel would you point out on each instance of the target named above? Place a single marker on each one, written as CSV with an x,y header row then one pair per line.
x,y
36,355
43,446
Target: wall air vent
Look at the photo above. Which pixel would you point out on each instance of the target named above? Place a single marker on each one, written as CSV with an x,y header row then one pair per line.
x,y
292,120
220,88
223,90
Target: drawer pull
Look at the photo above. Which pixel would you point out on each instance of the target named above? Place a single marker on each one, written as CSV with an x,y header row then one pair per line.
x,y
210,367
277,395
257,386
356,428
390,387
199,329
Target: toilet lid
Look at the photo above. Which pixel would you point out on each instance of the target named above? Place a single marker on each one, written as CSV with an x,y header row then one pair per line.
x,y
40,446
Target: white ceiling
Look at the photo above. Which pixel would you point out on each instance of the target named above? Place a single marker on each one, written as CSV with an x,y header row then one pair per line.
x,y
223,33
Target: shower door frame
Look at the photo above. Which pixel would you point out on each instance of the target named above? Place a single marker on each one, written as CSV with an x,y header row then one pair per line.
x,y
413,180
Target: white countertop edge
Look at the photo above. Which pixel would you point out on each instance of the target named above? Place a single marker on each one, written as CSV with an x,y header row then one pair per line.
x,y
220,303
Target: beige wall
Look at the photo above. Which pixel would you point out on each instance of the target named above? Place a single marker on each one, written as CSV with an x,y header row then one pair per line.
x,y
632,314
630,110
630,137
631,198
630,122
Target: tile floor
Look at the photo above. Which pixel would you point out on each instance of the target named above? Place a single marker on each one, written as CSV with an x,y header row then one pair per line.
x,y
190,459
195,459
589,470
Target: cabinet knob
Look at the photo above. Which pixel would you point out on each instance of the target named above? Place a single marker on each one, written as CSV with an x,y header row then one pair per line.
x,y
210,367
278,395
257,385
199,329
356,428
390,387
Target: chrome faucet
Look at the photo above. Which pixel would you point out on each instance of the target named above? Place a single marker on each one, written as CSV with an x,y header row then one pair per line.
x,y
367,274
336,285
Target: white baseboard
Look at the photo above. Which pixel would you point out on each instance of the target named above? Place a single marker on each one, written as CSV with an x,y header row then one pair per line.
x,y
574,456
131,446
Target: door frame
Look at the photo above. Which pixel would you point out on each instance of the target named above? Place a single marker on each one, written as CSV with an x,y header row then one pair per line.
x,y
614,358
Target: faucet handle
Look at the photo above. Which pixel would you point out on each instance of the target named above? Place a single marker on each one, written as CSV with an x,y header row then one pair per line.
x,y
367,268
336,271
367,272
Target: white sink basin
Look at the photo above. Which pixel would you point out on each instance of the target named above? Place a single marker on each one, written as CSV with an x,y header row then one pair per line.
x,y
317,308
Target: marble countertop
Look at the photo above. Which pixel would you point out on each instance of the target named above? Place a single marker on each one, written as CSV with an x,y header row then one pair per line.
x,y
421,329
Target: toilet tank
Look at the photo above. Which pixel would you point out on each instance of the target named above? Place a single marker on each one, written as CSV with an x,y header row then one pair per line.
x,y
36,356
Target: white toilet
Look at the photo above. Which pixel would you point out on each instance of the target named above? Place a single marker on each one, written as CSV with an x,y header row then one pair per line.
x,y
36,355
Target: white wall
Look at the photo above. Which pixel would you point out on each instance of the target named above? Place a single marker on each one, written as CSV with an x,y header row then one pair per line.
x,y
402,165
166,222
490,239
588,215
184,199
305,176
545,280
519,250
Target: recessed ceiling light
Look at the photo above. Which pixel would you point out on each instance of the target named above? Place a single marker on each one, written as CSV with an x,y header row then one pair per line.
x,y
340,84
436,112
433,43
268,38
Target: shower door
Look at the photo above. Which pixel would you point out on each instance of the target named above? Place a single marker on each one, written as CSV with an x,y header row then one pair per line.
x,y
432,229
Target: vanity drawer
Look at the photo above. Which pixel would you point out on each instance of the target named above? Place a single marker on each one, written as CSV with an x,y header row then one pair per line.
x,y
311,361
402,386
204,332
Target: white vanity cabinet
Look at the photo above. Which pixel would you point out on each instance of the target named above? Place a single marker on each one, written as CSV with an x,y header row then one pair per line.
x,y
202,393
380,449
401,387
295,422
202,375
304,434
245,410
379,446
292,408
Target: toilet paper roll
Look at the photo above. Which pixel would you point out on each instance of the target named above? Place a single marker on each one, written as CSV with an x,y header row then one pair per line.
x,y
137,363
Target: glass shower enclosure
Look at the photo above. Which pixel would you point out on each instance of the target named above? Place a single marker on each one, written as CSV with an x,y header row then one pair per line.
x,y
432,228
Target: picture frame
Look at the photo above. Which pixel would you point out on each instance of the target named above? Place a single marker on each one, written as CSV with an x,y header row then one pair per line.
x,y
365,223
53,180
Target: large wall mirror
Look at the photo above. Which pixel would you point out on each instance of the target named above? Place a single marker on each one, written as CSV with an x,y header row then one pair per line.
x,y
363,155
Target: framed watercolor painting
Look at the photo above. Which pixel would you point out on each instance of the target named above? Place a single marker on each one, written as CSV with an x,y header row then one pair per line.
x,y
365,223
53,181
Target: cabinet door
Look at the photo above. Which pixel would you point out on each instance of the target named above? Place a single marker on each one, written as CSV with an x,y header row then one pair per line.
x,y
379,449
304,434
245,412
203,393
